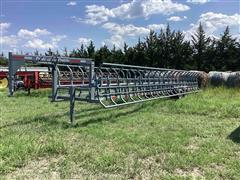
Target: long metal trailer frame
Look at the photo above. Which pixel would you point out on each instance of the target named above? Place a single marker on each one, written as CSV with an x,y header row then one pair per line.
x,y
111,85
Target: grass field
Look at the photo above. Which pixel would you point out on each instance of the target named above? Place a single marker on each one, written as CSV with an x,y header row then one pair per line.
x,y
197,136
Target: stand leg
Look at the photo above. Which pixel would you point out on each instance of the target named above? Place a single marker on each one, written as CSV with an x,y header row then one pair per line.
x,y
72,102
54,83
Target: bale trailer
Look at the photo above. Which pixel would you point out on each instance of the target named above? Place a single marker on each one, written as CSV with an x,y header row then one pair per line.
x,y
111,85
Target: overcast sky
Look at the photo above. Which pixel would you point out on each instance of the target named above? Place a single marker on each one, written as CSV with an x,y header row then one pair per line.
x,y
39,24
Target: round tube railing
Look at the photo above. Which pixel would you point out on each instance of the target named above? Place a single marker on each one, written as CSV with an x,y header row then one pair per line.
x,y
119,85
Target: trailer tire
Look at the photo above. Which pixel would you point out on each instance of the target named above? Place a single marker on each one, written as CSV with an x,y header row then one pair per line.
x,y
3,83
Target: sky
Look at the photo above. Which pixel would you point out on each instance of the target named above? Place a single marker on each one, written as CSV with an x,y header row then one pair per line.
x,y
29,25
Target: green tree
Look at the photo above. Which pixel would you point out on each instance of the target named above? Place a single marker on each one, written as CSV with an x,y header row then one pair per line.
x,y
227,52
151,49
102,55
211,65
91,50
49,52
65,52
138,54
181,52
129,54
117,55
82,52
169,49
73,53
36,53
3,60
168,54
200,43
160,59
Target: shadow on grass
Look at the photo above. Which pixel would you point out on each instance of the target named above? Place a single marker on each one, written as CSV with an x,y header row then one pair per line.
x,y
86,114
111,118
32,120
35,93
235,135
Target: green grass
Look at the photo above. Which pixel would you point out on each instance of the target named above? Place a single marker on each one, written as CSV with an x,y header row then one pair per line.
x,y
197,136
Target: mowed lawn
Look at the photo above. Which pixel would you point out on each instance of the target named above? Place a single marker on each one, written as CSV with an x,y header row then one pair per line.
x,y
197,136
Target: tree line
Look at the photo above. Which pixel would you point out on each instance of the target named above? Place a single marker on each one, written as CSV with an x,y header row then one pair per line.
x,y
169,49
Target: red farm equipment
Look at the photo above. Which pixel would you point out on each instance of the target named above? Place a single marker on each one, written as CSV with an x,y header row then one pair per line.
x,y
27,78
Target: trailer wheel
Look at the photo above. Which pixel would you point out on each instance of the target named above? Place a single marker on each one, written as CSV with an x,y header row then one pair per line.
x,y
3,83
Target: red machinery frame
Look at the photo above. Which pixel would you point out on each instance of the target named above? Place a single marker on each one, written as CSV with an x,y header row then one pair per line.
x,y
30,77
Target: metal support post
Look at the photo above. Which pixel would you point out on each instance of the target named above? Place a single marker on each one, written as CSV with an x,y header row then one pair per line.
x,y
92,82
72,91
54,83
10,74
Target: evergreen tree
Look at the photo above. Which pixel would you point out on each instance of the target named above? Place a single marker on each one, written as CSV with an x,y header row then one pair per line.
x,y
117,55
169,49
73,53
49,52
227,52
57,53
200,43
181,51
3,60
238,55
138,54
151,49
91,50
160,58
125,51
102,55
168,54
211,65
129,54
36,53
65,52
83,52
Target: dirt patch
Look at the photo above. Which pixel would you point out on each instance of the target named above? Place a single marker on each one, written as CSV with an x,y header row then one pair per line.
x,y
192,145
193,172
152,161
237,153
84,174
217,167
40,168
47,168
146,168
